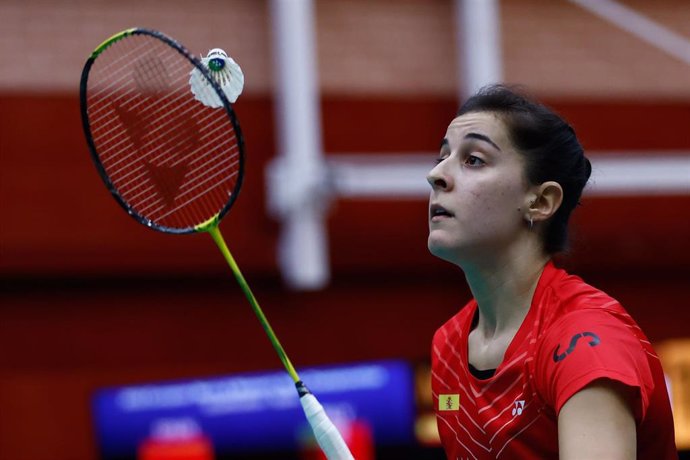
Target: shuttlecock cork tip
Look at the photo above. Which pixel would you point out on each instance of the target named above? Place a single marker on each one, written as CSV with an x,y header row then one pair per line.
x,y
216,59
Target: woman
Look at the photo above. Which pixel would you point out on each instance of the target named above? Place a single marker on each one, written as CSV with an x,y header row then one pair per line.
x,y
539,364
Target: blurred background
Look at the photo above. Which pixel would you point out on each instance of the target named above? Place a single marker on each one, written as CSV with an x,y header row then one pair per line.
x,y
107,326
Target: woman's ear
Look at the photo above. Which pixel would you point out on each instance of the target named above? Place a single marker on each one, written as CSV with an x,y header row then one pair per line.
x,y
547,199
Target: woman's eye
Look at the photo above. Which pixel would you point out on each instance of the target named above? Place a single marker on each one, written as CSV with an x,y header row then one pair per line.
x,y
439,160
474,161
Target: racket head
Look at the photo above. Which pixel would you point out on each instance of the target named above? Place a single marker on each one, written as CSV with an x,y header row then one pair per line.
x,y
173,163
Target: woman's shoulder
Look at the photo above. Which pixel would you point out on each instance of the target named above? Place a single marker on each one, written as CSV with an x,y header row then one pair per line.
x,y
570,293
569,300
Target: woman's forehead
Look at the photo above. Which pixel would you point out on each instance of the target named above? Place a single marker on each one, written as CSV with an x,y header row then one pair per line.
x,y
485,123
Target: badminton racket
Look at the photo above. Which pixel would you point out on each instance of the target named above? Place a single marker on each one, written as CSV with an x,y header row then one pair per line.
x,y
168,146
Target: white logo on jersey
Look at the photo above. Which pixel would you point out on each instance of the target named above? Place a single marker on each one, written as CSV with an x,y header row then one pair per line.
x,y
519,406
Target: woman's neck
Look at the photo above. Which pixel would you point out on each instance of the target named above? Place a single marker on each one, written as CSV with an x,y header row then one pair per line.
x,y
503,289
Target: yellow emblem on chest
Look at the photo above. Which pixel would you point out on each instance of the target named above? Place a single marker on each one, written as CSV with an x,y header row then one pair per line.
x,y
449,402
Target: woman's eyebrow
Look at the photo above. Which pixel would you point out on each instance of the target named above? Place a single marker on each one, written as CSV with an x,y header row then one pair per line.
x,y
482,137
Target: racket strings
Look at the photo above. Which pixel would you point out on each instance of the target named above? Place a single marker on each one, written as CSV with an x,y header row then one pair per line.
x,y
160,156
210,163
106,154
156,206
125,69
134,180
135,183
230,167
154,110
173,160
123,83
151,75
200,217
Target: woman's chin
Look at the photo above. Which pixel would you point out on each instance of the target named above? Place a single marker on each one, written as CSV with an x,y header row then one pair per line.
x,y
442,249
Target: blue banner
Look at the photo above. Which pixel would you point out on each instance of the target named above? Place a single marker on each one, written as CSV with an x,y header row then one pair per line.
x,y
258,411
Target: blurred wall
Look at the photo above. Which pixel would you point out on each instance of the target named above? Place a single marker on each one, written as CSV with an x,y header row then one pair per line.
x,y
90,298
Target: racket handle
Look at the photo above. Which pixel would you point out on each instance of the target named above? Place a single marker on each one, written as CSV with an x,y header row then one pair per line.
x,y
327,435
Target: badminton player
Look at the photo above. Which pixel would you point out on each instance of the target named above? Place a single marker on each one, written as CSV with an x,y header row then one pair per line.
x,y
538,365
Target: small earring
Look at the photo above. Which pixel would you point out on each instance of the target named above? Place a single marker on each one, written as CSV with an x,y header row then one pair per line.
x,y
529,216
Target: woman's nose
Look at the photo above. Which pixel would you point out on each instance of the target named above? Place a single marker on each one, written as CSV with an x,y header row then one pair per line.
x,y
436,179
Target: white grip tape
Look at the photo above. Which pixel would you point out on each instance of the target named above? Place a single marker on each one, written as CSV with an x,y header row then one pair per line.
x,y
327,435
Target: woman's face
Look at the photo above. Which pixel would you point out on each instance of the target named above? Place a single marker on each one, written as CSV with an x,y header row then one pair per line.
x,y
479,190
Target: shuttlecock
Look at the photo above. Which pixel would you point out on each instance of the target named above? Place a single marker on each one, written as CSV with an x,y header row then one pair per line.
x,y
224,71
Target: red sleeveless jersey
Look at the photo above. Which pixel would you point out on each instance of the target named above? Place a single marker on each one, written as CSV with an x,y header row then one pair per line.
x,y
572,335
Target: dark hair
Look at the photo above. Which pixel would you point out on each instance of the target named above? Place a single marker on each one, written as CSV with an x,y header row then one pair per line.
x,y
549,145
